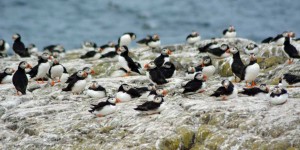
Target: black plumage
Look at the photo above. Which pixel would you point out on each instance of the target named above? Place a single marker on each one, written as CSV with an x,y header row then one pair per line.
x,y
144,41
149,105
238,66
19,47
34,71
290,49
4,74
100,106
167,69
88,54
98,88
216,51
20,80
267,40
291,79
223,91
72,83
193,85
160,60
109,54
252,91
134,93
131,64
157,76
283,91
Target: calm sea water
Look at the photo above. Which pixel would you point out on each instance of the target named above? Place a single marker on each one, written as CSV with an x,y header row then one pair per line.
x,y
69,22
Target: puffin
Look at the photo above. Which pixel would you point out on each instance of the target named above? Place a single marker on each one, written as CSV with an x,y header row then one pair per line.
x,y
193,38
41,69
96,90
280,38
126,39
237,65
151,107
222,51
155,74
4,46
54,48
105,108
278,96
19,47
56,71
251,71
121,72
89,45
154,41
262,90
126,93
6,75
230,32
144,41
126,62
168,69
290,49
156,92
109,47
210,45
19,79
206,66
196,85
87,70
32,49
91,54
77,84
226,91
163,57
290,80
251,49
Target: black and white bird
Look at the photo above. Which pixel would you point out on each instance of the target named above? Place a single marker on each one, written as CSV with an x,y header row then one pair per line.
x,y
40,71
226,91
290,49
4,46
222,51
19,47
56,71
260,91
144,41
278,40
251,71
89,45
54,48
206,67
152,107
290,80
32,49
154,42
6,75
77,84
104,108
168,69
230,32
87,70
96,90
126,62
237,65
155,92
193,38
155,74
126,93
19,79
251,49
163,57
126,39
197,85
109,47
278,96
209,45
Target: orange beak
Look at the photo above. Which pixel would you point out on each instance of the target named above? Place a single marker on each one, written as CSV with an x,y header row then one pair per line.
x,y
169,52
28,66
228,50
204,77
50,57
100,49
118,100
85,74
202,65
93,71
146,66
165,92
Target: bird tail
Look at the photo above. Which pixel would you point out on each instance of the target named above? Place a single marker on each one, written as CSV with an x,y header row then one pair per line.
x,y
91,111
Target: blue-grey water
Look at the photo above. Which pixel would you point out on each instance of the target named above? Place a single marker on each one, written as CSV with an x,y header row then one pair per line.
x,y
69,22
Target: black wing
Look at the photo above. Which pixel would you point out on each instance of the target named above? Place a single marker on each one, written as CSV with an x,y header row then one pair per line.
x,y
99,106
109,54
70,85
2,76
20,81
88,54
65,70
133,93
33,72
144,40
159,61
251,91
267,40
72,77
224,31
220,91
192,86
277,37
99,88
238,66
157,77
132,65
216,51
205,48
147,106
142,89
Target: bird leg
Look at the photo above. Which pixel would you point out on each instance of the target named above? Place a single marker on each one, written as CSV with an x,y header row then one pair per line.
x,y
290,61
52,83
224,98
247,85
201,91
99,115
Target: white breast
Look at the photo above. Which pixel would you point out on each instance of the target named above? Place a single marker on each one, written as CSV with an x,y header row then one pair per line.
x,y
209,70
150,97
6,47
79,86
154,44
118,73
57,71
159,109
124,97
123,63
64,77
252,72
95,94
166,59
106,110
254,51
234,94
193,40
108,49
125,40
7,79
43,70
230,35
278,100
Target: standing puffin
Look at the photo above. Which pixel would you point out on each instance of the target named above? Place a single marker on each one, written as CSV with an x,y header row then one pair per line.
x,y
105,108
193,38
56,71
126,62
96,90
89,45
6,75
196,85
290,49
290,80
19,79
77,84
222,51
152,107
154,41
278,96
280,38
251,71
237,65
155,74
262,90
126,39
41,69
19,47
226,91
251,49
4,46
163,57
144,41
230,32
168,69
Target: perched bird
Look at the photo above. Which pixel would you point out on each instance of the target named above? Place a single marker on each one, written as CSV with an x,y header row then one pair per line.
x,y
32,49
155,74
251,71
206,67
109,47
4,46
278,96
126,62
105,108
89,45
19,47
156,92
196,85
87,70
193,38
262,90
56,71
237,65
222,51
290,49
126,93
168,69
226,91
154,41
163,57
6,75
19,79
280,38
121,72
230,32
41,69
54,48
96,90
152,107
251,49
91,54
210,45
144,41
77,84
126,39
290,80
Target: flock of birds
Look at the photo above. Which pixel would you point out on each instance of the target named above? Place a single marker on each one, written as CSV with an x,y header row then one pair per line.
x,y
159,71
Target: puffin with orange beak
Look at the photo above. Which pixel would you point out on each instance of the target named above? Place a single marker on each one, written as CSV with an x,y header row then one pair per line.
x,y
163,57
290,49
40,71
155,74
251,71
193,38
154,41
56,71
105,108
152,107
206,66
230,32
96,90
19,79
226,91
126,62
220,52
196,85
6,75
262,90
87,70
78,83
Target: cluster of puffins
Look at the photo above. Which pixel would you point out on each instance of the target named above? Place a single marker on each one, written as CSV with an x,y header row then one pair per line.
x,y
159,71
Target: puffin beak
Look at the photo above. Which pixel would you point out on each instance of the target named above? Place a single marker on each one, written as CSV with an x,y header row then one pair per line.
x,y
118,100
100,50
202,64
85,74
50,57
93,71
228,50
165,92
169,52
146,66
267,89
204,77
28,66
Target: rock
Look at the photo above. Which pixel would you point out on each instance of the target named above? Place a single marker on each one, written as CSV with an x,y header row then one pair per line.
x,y
225,70
30,132
187,137
169,143
279,145
203,132
2,110
198,147
214,141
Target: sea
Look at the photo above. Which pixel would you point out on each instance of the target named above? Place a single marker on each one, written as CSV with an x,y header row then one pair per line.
x,y
70,22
